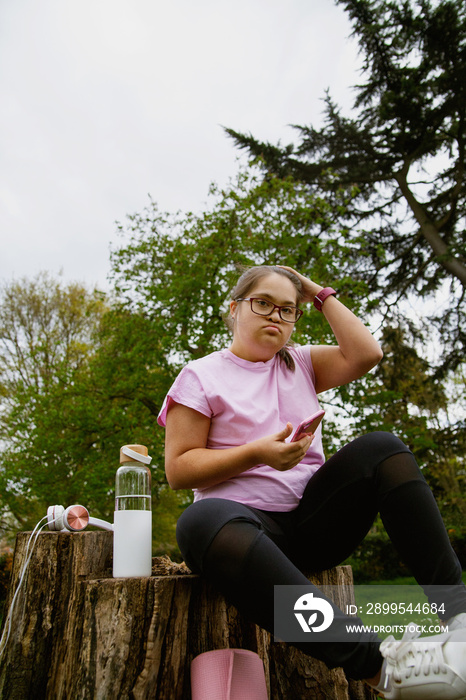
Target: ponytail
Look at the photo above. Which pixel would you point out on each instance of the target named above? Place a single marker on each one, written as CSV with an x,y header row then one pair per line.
x,y
286,357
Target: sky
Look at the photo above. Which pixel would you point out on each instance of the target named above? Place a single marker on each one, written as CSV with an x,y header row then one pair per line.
x,y
104,103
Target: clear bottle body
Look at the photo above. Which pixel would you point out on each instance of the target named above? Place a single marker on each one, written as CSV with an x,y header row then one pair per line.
x,y
132,537
133,487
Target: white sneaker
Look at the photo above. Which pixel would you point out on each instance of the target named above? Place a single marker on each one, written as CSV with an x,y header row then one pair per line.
x,y
456,623
428,668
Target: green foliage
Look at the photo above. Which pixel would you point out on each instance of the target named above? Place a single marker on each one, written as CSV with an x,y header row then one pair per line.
x,y
45,343
167,506
78,380
178,270
376,559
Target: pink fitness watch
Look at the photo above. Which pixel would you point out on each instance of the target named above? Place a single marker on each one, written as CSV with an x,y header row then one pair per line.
x,y
321,297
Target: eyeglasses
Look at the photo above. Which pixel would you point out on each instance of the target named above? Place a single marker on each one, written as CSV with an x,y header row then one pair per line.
x,y
262,307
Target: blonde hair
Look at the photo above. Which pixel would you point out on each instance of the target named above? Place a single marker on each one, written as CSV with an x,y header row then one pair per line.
x,y
248,280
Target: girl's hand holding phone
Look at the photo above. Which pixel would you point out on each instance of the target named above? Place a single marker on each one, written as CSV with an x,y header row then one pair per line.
x,y
279,453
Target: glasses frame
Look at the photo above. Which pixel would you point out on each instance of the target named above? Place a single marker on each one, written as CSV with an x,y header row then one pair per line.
x,y
275,306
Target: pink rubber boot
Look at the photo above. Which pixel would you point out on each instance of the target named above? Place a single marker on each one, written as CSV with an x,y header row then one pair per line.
x,y
228,674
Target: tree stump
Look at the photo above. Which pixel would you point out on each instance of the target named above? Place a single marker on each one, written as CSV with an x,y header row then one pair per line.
x,y
78,633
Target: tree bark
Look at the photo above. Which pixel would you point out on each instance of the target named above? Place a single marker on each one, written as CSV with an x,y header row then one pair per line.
x,y
78,633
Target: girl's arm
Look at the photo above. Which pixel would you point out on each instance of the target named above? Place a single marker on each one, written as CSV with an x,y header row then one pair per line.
x,y
190,464
356,351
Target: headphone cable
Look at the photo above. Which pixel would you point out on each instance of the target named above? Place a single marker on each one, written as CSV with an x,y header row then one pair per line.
x,y
7,627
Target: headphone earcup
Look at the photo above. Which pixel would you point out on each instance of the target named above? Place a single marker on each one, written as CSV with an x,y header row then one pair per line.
x,y
55,518
76,518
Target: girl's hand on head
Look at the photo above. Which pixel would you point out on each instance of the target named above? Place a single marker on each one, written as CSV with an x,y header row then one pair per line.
x,y
281,455
310,288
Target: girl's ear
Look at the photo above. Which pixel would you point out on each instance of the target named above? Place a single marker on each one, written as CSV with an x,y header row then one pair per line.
x,y
233,307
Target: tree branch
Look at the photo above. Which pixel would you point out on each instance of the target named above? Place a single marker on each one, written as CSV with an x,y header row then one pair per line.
x,y
430,231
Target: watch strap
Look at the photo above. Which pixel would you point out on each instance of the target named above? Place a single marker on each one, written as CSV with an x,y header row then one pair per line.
x,y
321,297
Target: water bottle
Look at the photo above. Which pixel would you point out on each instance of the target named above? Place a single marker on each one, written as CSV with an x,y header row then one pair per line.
x,y
132,528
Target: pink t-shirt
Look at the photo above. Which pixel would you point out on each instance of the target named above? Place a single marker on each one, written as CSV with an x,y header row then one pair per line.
x,y
246,401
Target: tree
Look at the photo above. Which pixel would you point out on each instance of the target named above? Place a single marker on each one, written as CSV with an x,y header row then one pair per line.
x,y
46,335
77,380
404,150
127,378
178,269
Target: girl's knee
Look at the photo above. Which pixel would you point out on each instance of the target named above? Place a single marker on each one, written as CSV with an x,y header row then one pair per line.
x,y
200,522
380,445
210,514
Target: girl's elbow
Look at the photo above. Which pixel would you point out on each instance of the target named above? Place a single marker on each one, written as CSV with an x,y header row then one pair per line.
x,y
173,477
378,355
374,358
370,360
176,483
173,484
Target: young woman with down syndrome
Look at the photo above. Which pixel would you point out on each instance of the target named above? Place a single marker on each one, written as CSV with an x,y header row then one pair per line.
x,y
266,509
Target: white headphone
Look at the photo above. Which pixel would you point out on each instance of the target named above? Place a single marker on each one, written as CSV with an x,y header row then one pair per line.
x,y
73,519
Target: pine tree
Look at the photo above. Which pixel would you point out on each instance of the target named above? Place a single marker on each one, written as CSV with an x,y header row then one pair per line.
x,y
403,148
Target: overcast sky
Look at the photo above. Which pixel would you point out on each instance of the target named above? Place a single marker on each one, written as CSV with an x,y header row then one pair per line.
x,y
103,102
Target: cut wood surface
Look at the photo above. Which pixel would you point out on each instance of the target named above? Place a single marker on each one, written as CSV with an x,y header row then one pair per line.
x,y
79,633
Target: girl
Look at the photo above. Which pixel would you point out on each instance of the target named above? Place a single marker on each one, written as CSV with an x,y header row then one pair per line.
x,y
265,508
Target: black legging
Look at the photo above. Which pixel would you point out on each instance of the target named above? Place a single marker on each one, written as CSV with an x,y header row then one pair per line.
x,y
246,552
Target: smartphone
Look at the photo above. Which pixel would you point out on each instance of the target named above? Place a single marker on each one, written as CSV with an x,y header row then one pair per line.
x,y
308,426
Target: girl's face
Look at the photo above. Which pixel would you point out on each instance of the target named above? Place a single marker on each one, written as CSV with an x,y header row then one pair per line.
x,y
258,338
